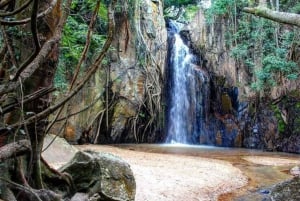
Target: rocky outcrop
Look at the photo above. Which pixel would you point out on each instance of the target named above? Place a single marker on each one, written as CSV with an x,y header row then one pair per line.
x,y
210,39
288,113
136,67
288,190
129,85
238,115
100,174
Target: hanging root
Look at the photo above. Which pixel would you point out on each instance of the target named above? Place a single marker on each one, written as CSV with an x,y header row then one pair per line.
x,y
32,194
58,178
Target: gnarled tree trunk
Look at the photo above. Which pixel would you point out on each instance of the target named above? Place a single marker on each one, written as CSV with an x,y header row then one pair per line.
x,y
27,66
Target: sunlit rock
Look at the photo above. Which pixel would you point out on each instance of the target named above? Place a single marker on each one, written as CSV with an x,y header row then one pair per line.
x,y
295,171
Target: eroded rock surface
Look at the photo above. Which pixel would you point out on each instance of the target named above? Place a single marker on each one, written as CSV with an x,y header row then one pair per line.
x,y
103,174
288,190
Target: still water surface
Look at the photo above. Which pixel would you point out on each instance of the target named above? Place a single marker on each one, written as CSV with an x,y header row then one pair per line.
x,y
263,169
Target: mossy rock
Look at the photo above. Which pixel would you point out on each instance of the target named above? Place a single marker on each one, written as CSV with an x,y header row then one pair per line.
x,y
287,191
103,174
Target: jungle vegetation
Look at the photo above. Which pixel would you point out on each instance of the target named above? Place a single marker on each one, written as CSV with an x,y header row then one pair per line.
x,y
55,46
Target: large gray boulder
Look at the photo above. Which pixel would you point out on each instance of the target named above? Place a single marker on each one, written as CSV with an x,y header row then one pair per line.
x,y
100,173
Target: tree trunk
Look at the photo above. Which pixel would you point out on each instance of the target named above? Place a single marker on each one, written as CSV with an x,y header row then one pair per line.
x,y
41,78
282,17
25,89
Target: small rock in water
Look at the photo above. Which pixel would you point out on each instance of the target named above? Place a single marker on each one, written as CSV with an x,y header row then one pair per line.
x,y
295,171
264,191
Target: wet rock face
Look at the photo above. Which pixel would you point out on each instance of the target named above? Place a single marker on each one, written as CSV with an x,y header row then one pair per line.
x,y
261,131
273,126
223,126
289,109
103,174
291,144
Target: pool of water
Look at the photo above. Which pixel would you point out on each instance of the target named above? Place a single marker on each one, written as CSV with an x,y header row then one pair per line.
x,y
263,169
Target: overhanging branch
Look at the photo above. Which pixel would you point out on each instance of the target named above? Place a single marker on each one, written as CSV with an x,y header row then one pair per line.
x,y
282,17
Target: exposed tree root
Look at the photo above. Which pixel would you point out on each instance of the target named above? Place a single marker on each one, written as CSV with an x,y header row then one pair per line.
x,y
14,149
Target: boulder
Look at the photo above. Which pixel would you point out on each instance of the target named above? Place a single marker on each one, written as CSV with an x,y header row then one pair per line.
x,y
101,173
284,191
295,171
80,197
288,190
57,151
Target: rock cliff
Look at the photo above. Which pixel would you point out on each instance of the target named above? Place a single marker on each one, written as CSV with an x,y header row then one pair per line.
x,y
244,117
129,84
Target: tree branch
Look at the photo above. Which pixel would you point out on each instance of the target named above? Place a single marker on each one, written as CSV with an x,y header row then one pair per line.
x,y
4,3
282,17
20,187
39,59
90,72
29,98
14,149
35,39
21,8
24,21
87,43
9,47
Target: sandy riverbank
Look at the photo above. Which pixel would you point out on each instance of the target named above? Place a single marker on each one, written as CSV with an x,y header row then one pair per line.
x,y
166,177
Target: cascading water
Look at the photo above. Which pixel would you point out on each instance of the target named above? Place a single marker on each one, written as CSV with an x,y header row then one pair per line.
x,y
187,82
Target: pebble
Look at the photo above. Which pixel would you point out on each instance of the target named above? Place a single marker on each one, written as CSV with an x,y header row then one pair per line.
x,y
264,191
295,171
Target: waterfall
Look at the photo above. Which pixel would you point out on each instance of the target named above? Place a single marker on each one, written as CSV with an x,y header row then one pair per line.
x,y
187,82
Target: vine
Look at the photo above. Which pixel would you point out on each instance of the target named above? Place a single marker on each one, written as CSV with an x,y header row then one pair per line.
x,y
150,110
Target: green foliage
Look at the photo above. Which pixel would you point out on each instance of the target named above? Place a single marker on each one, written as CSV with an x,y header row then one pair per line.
x,y
74,39
178,3
240,51
222,8
190,12
281,124
60,80
290,6
187,10
296,8
259,41
87,7
272,66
